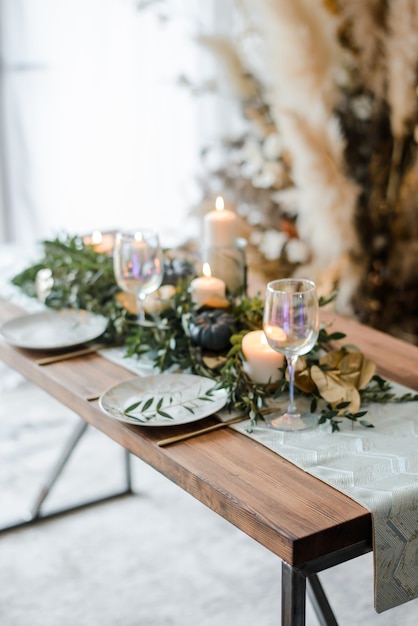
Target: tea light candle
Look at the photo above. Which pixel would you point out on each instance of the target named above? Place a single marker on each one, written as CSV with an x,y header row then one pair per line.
x,y
101,242
220,226
206,286
261,361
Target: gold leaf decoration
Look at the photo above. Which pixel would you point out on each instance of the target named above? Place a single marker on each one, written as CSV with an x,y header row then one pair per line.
x,y
339,376
334,390
159,300
154,303
128,301
303,378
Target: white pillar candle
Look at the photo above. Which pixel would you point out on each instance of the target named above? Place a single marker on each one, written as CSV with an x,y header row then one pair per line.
x,y
220,226
261,361
205,287
101,242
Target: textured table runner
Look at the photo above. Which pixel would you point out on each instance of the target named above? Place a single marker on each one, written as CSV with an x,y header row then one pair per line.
x,y
377,467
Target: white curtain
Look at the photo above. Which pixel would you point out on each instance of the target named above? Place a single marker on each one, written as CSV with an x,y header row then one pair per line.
x,y
95,131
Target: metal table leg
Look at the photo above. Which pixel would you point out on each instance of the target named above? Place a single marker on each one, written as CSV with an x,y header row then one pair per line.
x,y
35,514
320,602
294,598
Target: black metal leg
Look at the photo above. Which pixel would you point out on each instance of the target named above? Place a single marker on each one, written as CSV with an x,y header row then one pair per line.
x,y
35,514
128,471
293,596
72,442
320,602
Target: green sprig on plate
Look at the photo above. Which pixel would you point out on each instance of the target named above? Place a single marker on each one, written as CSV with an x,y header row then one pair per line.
x,y
153,407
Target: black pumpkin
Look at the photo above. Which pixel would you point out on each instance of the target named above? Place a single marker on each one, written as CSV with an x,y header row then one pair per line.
x,y
177,269
211,329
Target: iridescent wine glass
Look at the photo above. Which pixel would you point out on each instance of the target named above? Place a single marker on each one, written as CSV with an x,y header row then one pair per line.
x,y
138,264
291,325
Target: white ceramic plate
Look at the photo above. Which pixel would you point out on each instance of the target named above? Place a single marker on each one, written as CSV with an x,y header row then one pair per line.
x,y
163,400
53,330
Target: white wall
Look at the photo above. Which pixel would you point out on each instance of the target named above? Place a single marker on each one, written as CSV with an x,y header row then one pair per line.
x,y
97,133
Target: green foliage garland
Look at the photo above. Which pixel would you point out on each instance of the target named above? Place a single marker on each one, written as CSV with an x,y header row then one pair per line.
x,y
84,279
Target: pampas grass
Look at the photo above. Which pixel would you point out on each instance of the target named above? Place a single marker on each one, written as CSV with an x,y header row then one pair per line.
x,y
402,64
302,52
364,25
241,83
338,79
326,196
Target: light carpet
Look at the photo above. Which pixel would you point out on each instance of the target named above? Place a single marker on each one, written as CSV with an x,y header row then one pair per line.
x,y
158,558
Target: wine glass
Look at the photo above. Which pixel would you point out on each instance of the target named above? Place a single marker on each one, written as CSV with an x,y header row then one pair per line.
x,y
291,325
138,264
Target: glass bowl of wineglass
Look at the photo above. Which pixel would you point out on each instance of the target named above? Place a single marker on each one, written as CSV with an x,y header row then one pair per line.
x,y
138,264
291,326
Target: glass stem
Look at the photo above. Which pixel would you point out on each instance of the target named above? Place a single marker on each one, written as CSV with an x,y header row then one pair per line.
x,y
291,364
140,309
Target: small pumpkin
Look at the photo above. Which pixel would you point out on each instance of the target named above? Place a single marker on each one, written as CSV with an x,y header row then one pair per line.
x,y
177,269
211,329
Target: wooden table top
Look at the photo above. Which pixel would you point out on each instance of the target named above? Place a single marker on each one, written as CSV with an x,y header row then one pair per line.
x,y
291,513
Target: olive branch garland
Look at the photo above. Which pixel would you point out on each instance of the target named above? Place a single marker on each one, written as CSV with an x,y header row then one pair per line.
x,y
84,279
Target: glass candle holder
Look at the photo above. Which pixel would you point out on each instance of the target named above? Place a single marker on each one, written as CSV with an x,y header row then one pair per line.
x,y
229,264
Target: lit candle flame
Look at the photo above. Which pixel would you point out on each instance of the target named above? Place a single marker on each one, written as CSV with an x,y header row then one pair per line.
x,y
219,203
96,237
206,270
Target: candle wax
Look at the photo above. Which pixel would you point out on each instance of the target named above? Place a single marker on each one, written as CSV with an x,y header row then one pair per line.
x,y
261,361
220,228
206,287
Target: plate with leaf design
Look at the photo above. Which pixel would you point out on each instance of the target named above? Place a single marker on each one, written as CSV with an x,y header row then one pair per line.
x,y
163,399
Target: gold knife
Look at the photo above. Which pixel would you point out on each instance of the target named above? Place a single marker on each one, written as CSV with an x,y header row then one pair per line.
x,y
67,355
208,429
201,431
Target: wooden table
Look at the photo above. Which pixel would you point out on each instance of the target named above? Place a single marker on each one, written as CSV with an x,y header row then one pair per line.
x,y
305,522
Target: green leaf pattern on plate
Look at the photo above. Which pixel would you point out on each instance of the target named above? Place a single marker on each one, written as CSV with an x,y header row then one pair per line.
x,y
153,407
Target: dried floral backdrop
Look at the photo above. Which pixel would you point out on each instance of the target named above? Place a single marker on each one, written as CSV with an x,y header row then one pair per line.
x,y
325,172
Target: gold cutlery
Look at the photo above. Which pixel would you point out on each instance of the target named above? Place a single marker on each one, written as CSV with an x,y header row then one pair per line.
x,y
208,429
55,358
93,398
201,431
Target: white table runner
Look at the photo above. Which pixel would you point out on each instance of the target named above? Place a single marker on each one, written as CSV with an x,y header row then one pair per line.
x,y
379,469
